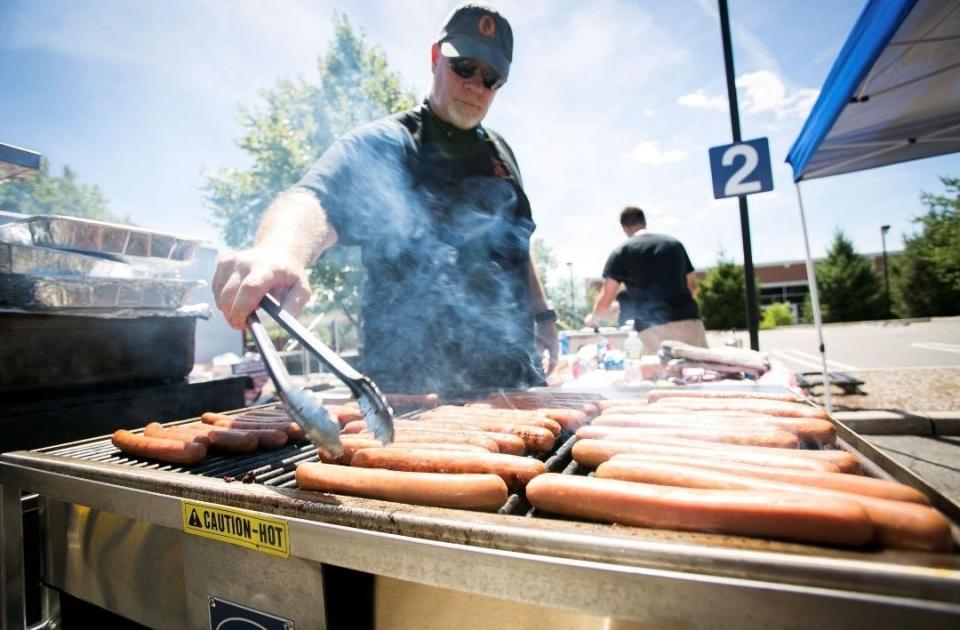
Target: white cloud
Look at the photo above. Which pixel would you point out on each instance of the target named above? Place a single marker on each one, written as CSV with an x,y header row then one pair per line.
x,y
648,112
700,100
759,92
649,152
764,91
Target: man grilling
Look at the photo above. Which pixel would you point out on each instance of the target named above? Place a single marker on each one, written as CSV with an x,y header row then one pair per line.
x,y
452,302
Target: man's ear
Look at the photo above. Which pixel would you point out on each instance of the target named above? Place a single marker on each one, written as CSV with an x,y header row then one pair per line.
x,y
434,56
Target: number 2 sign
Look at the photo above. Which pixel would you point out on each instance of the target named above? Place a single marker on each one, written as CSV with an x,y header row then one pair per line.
x,y
741,169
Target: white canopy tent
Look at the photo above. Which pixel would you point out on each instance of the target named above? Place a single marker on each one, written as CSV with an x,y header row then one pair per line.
x,y
893,95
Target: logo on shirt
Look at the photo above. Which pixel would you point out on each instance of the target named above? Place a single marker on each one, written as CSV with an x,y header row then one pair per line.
x,y
498,168
487,26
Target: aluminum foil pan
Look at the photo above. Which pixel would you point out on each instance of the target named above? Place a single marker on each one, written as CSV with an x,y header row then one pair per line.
x,y
45,261
103,297
84,235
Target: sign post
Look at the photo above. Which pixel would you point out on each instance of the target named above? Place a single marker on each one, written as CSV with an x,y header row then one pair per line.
x,y
737,183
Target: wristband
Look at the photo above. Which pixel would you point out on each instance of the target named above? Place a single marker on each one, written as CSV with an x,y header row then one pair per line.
x,y
545,316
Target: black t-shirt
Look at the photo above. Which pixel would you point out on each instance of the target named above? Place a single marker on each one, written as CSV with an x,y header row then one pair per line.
x,y
444,229
654,268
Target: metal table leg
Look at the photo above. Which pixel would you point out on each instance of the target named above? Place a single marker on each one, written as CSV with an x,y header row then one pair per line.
x,y
11,561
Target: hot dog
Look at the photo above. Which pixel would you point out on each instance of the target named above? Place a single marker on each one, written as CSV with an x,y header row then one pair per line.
x,y
515,471
844,461
568,418
469,492
516,416
506,442
293,430
592,453
537,439
353,443
162,449
770,407
813,433
440,437
345,413
844,482
157,430
897,524
224,439
783,515
656,394
752,436
268,438
412,401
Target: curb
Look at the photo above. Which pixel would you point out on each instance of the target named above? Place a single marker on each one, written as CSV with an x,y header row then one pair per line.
x,y
884,422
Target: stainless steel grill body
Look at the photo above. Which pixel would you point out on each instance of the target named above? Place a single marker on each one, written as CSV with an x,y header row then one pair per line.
x,y
114,535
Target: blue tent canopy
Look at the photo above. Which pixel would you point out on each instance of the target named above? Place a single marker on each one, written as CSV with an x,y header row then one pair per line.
x,y
893,94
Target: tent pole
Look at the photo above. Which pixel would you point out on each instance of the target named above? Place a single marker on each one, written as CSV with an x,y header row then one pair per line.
x,y
815,303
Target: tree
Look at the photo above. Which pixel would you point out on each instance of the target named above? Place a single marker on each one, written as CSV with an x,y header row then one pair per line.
x,y
776,314
927,274
849,285
568,295
43,193
297,122
722,296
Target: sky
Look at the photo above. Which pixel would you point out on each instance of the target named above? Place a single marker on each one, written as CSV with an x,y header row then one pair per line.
x,y
609,103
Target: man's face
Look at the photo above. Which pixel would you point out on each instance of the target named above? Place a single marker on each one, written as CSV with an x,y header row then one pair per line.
x,y
462,102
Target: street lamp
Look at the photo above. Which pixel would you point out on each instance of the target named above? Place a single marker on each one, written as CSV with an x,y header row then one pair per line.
x,y
886,276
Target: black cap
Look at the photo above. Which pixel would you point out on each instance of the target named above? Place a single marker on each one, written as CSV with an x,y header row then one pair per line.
x,y
478,31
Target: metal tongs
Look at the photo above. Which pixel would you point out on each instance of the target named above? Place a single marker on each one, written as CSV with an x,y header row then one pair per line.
x,y
303,405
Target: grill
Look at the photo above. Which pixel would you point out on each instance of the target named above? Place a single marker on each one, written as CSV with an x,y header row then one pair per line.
x,y
105,516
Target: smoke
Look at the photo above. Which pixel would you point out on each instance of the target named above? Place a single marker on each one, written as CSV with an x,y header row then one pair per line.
x,y
446,306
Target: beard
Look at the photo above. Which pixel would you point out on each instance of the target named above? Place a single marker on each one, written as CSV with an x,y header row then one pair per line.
x,y
464,116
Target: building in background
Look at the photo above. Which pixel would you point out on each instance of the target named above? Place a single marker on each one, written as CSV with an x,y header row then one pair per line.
x,y
786,281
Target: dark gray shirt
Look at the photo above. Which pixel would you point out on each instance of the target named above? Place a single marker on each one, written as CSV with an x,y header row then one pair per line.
x,y
654,268
444,227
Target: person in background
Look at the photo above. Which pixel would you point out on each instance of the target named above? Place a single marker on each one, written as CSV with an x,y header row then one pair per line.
x,y
452,302
660,284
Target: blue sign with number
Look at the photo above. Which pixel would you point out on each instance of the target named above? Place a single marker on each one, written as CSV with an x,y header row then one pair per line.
x,y
742,168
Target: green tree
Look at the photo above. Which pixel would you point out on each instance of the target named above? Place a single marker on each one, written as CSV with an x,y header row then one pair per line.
x,y
722,296
43,193
567,294
297,122
776,314
926,277
849,285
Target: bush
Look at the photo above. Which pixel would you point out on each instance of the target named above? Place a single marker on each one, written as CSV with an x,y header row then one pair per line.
x,y
777,314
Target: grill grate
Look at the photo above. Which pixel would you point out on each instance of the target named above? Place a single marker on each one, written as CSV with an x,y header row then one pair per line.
x,y
277,468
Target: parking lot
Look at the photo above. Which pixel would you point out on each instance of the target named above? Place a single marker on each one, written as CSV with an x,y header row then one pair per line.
x,y
862,346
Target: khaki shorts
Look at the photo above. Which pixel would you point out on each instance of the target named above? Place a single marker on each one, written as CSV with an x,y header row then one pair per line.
x,y
689,331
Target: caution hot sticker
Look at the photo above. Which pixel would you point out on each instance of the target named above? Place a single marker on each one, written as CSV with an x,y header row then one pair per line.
x,y
238,527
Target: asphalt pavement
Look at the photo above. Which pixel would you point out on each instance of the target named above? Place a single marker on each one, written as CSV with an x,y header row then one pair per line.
x,y
861,346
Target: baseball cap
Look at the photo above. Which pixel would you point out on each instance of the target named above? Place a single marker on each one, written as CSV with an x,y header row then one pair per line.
x,y
478,31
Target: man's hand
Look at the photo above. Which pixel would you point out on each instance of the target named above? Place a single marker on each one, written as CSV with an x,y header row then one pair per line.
x,y
591,320
546,338
243,278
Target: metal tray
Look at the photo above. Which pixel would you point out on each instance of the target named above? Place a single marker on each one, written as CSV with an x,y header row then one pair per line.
x,y
85,235
42,352
105,297
47,261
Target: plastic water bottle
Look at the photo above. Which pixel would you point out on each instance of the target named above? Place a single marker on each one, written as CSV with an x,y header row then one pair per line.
x,y
633,358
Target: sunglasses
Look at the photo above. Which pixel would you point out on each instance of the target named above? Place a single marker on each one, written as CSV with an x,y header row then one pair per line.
x,y
466,68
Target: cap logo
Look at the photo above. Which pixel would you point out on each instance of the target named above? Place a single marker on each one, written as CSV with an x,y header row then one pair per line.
x,y
486,25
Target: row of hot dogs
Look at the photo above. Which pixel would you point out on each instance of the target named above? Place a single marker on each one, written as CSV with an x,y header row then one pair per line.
x,y
739,463
730,463
467,457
